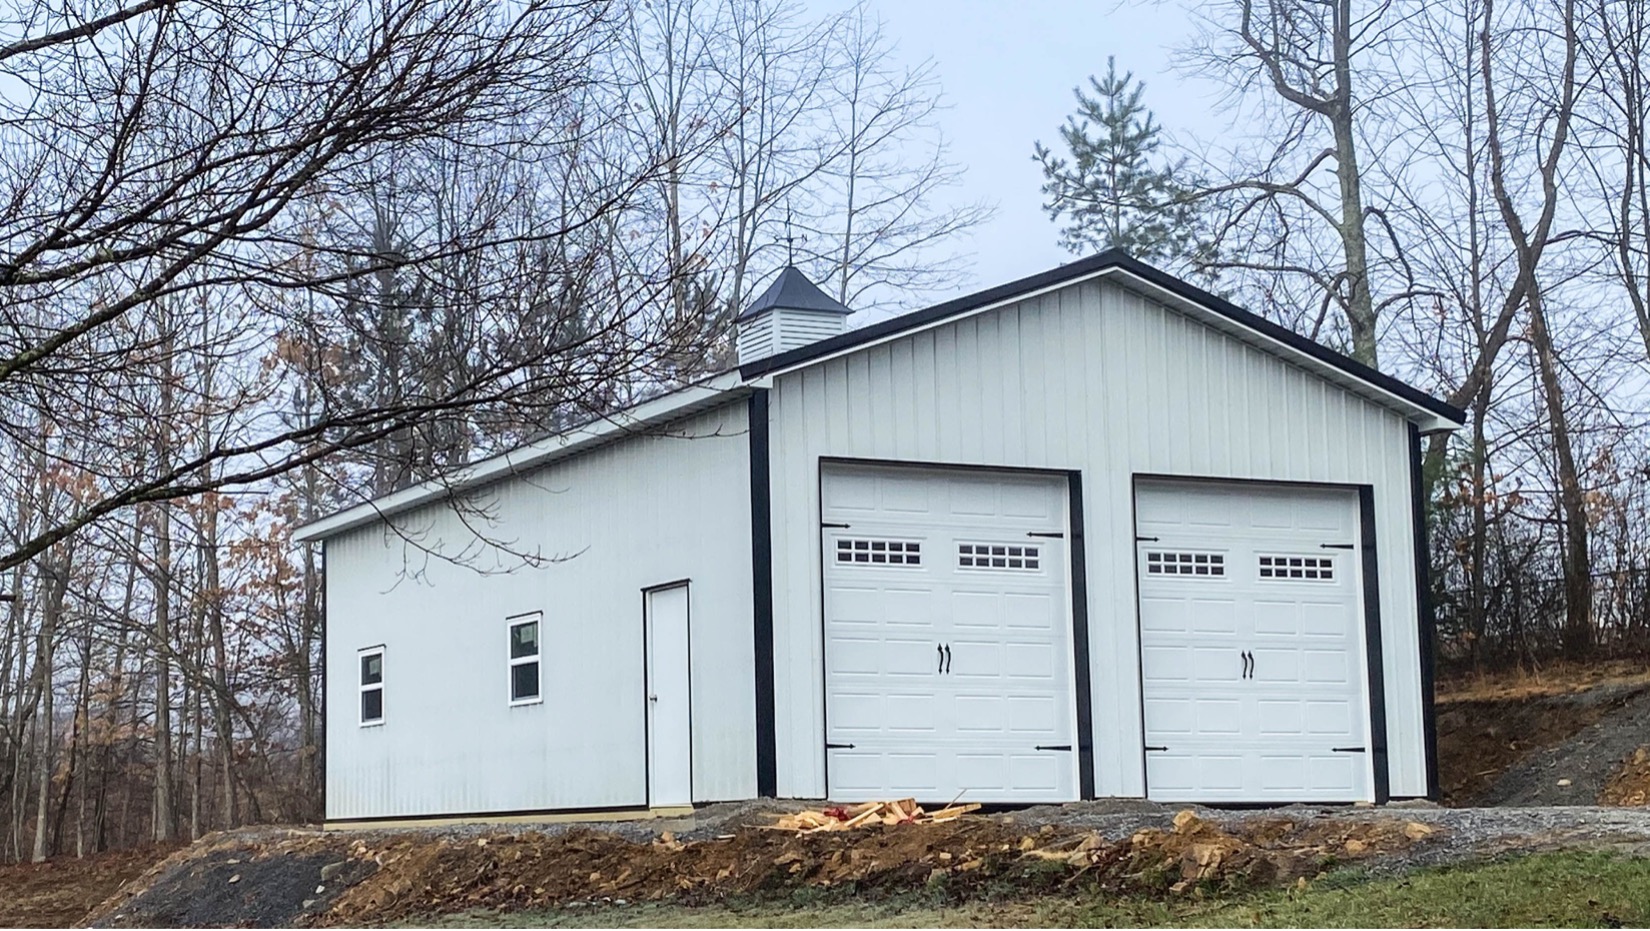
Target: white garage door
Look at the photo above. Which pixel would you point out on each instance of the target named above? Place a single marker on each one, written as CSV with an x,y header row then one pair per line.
x,y
1251,642
948,661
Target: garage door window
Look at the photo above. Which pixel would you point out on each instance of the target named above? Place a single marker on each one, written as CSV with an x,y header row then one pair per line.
x,y
879,552
1298,568
999,556
1185,563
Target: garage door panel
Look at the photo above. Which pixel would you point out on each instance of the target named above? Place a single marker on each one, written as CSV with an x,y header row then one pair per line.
x,y
976,609
865,715
1252,690
893,605
849,492
1037,661
1028,612
1026,500
1335,719
1036,718
881,656
981,713
1284,718
859,775
1164,664
980,625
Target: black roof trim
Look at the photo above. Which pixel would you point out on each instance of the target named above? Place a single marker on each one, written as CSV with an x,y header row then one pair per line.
x,y
794,291
1111,258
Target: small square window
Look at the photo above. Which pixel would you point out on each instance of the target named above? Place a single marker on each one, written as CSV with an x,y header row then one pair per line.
x,y
372,668
372,705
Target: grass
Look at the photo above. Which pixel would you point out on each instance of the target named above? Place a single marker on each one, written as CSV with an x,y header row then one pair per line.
x,y
1571,889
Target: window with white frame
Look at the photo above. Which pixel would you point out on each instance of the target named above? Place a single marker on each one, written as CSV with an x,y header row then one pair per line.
x,y
524,659
372,686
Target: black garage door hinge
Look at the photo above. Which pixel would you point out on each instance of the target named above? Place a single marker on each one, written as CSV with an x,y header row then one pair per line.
x,y
1036,533
1066,747
1145,539
1335,546
833,526
831,746
1159,749
1346,750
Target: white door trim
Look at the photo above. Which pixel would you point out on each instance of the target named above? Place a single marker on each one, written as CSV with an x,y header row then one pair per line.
x,y
1366,638
668,693
1078,677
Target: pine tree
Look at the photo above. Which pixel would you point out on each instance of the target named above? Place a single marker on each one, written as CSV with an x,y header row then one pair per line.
x,y
1110,190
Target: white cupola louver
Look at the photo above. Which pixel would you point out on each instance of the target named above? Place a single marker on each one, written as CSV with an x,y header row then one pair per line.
x,y
792,313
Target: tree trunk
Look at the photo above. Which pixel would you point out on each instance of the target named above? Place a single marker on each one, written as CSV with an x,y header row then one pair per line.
x,y
1578,567
165,819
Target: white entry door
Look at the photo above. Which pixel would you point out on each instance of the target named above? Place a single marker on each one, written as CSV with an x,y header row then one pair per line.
x,y
669,732
948,663
1251,644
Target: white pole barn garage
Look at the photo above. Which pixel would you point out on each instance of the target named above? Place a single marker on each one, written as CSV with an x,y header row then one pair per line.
x,y
1092,533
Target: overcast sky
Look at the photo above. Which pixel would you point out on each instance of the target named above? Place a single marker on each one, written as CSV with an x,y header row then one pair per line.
x,y
1007,68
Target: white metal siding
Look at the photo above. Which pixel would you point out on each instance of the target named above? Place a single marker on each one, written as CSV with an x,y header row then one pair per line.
x,y
653,508
1094,378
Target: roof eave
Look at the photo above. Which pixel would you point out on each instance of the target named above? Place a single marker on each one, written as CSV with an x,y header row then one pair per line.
x,y
711,392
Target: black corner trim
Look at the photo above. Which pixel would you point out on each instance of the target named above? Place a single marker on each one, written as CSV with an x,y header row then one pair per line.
x,y
1080,640
1109,259
767,754
1372,645
1428,621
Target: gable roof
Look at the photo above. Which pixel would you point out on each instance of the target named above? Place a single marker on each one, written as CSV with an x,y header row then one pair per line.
x,y
793,291
1156,283
1115,265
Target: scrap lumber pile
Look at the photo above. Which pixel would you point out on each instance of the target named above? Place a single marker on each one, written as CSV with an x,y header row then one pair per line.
x,y
867,814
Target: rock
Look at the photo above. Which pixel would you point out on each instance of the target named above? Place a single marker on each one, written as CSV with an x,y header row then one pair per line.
x,y
308,904
1564,783
235,878
1415,830
1425,803
332,869
320,889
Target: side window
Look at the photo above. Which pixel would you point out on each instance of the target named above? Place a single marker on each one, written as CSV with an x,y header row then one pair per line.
x,y
372,686
524,659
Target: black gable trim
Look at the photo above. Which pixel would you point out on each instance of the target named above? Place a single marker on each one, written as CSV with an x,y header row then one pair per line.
x,y
1111,258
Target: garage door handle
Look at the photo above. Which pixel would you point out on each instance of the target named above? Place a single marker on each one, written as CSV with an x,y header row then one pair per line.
x,y
948,659
940,651
1248,664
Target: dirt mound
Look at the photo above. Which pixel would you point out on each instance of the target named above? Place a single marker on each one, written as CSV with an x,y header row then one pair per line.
x,y
421,876
264,879
1629,785
59,893
309,878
